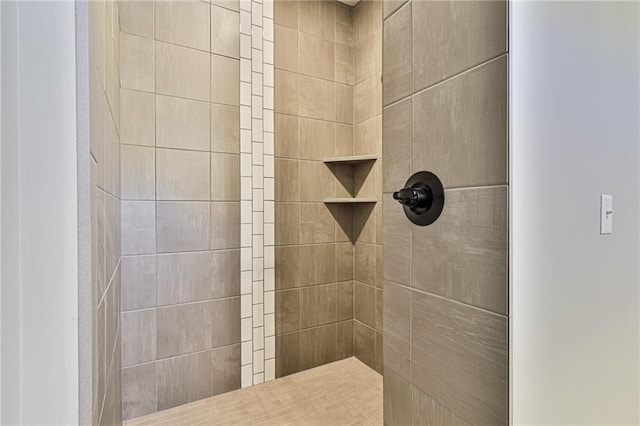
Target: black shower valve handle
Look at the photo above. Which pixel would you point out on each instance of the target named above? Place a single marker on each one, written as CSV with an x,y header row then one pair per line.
x,y
413,197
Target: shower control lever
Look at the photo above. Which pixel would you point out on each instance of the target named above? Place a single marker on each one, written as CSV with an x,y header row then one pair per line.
x,y
422,198
414,197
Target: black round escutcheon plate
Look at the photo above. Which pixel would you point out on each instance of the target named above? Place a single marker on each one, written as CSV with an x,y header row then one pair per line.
x,y
427,215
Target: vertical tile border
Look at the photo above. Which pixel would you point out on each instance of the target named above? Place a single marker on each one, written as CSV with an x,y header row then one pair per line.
x,y
257,192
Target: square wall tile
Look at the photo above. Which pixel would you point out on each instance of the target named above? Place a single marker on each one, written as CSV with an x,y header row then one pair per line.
x,y
137,117
138,337
225,225
184,328
184,22
182,175
226,316
136,63
225,177
183,379
137,172
225,34
225,80
138,390
183,226
182,123
225,128
138,281
182,72
138,227
136,17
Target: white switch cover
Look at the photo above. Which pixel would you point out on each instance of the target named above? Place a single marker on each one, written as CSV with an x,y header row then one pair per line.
x,y
606,214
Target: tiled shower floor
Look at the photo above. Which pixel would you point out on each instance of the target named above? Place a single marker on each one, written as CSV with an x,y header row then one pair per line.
x,y
345,392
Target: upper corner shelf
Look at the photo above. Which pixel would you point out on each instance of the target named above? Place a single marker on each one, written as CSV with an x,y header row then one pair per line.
x,y
353,159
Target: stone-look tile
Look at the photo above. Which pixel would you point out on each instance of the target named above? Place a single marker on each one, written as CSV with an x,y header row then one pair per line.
x,y
137,227
364,297
316,56
184,277
317,17
397,326
226,273
225,128
344,261
390,6
318,346
451,37
319,265
460,127
184,328
288,353
225,369
138,280
396,149
344,140
365,263
379,309
112,312
345,339
317,139
396,47
366,180
286,48
287,267
287,311
182,123
225,37
344,103
367,56
343,214
367,136
364,344
460,354
225,80
225,177
364,224
182,72
136,17
136,63
344,26
316,182
225,225
344,57
182,175
464,256
183,379
287,140
397,242
287,180
137,117
367,20
287,223
426,410
138,337
318,305
183,226
226,317
137,173
138,390
344,300
397,400
316,224
286,97
286,13
367,99
183,22
317,98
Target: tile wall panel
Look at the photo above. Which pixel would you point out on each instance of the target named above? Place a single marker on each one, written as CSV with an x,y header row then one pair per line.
x,y
445,292
188,260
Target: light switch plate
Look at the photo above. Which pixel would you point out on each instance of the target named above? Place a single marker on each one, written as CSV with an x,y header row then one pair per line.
x,y
606,214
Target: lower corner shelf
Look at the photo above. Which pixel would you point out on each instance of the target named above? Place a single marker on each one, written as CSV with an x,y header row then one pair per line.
x,y
350,200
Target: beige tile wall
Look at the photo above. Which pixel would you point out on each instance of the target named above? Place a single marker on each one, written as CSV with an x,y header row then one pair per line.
x,y
445,298
105,134
327,94
180,202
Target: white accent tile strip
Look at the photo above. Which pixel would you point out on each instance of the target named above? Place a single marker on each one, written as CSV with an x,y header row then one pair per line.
x,y
257,233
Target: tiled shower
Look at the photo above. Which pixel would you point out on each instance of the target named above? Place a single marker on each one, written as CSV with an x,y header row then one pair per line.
x,y
241,151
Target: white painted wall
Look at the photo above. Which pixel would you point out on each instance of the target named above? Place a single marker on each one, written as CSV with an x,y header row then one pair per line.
x,y
39,208
575,134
